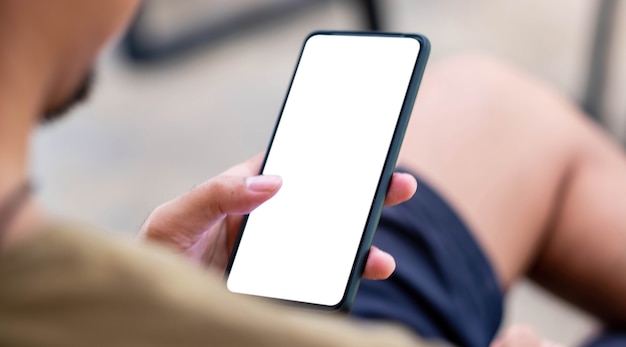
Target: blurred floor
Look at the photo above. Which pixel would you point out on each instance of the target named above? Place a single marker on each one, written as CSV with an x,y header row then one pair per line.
x,y
149,134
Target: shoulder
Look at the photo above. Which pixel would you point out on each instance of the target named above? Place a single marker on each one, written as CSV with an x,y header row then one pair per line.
x,y
79,260
74,283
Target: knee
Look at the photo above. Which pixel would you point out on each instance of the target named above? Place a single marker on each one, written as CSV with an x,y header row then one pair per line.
x,y
479,96
470,91
496,89
482,76
471,61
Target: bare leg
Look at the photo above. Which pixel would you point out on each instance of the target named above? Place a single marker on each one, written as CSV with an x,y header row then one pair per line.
x,y
543,190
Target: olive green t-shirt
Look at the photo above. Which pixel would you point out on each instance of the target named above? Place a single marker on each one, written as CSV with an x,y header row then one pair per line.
x,y
65,287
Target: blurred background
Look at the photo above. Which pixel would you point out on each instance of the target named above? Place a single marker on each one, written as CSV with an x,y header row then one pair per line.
x,y
196,86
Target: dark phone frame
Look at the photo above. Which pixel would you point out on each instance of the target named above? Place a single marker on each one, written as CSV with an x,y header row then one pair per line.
x,y
383,184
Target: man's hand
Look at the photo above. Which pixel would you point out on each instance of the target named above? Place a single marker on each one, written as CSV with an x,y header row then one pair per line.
x,y
203,223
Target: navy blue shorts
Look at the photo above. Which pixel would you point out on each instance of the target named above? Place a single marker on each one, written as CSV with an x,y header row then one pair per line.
x,y
444,287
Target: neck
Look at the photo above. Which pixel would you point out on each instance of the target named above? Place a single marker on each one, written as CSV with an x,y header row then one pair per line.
x,y
20,103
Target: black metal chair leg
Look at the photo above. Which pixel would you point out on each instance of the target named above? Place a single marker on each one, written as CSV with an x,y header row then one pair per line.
x,y
372,14
599,59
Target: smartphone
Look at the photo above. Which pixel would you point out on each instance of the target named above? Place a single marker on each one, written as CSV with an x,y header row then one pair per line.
x,y
335,146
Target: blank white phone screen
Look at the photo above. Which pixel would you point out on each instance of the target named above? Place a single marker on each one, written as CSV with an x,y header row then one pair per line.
x,y
330,147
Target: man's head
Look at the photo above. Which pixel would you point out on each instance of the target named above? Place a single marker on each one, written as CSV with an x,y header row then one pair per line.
x,y
47,52
60,40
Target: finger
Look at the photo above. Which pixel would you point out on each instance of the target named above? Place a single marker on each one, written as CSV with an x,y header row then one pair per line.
x,y
208,203
401,188
230,195
380,265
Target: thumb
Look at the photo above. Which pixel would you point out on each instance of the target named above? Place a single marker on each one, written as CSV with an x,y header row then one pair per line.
x,y
225,195
182,220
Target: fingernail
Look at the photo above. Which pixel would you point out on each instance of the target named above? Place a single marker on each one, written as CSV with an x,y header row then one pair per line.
x,y
263,183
